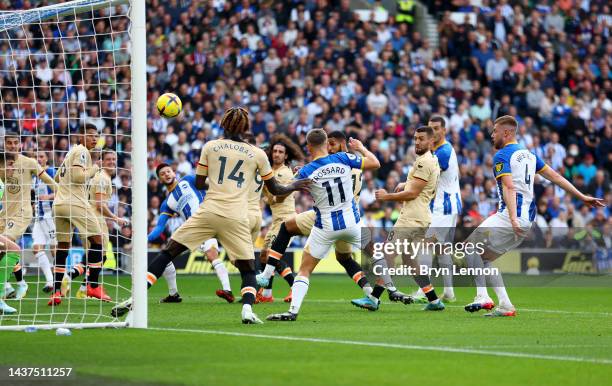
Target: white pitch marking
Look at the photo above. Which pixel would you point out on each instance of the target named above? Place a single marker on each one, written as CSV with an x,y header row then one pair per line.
x,y
398,346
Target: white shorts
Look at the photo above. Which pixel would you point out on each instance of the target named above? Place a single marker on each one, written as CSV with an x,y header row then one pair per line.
x,y
43,232
497,235
442,228
320,241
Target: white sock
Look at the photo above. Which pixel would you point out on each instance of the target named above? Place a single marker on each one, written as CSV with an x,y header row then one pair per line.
x,y
170,276
7,286
22,282
45,266
475,261
247,308
383,269
497,283
299,290
445,261
268,271
367,290
83,287
267,292
221,274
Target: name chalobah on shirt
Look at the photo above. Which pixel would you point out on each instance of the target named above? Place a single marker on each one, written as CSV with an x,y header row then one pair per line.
x,y
234,146
328,170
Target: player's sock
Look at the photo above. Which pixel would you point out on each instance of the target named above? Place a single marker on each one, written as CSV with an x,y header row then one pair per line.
x,y
382,270
7,262
274,259
285,271
249,283
222,274
353,269
45,266
428,289
157,267
59,268
267,293
496,281
446,262
475,261
170,276
17,270
279,246
94,263
377,291
299,290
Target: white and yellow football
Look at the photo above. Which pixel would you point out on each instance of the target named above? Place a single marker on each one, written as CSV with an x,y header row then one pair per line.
x,y
169,105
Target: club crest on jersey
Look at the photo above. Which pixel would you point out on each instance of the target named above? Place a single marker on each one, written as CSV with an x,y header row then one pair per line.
x,y
498,167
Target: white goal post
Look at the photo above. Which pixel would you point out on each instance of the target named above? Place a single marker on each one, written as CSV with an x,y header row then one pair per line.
x,y
26,71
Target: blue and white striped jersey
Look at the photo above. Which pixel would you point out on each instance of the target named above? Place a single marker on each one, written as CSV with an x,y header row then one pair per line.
x,y
332,190
44,208
515,160
448,194
182,201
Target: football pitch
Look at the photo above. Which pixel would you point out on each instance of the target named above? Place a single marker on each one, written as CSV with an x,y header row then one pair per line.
x,y
560,336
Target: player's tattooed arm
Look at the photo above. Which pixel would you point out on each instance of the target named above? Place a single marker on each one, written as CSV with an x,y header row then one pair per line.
x,y
564,184
200,182
277,189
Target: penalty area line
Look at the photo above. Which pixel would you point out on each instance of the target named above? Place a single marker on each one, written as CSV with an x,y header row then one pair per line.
x,y
447,349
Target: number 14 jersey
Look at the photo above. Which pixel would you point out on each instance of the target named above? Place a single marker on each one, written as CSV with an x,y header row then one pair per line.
x,y
231,167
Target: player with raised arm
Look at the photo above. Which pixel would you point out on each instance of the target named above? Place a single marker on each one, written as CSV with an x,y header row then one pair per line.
x,y
231,163
415,217
514,168
16,214
445,207
337,215
72,209
43,232
182,201
100,192
281,153
302,224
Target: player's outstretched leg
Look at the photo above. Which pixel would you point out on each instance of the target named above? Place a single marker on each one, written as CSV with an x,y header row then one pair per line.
x,y
505,308
446,262
59,270
248,291
354,271
155,270
279,246
45,267
6,266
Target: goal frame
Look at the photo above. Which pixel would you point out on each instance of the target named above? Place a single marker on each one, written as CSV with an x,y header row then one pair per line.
x,y
137,318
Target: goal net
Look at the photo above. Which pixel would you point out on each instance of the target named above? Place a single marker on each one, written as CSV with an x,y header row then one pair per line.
x,y
63,68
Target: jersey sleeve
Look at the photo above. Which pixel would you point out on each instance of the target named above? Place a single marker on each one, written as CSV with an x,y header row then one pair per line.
x,y
540,164
501,165
37,170
159,228
202,168
165,209
443,155
352,160
263,164
99,183
423,169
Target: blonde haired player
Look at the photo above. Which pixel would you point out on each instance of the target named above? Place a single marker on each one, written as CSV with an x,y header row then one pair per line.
x,y
16,214
230,165
71,210
100,192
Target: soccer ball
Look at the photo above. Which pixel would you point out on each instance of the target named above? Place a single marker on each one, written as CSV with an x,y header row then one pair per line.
x,y
169,105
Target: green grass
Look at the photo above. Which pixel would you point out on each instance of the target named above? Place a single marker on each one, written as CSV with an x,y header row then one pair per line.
x,y
556,323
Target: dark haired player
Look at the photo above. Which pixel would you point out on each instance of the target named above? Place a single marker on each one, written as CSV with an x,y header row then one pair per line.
x,y
231,163
182,201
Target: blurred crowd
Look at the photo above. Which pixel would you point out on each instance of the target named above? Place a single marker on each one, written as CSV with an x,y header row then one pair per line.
x,y
298,65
